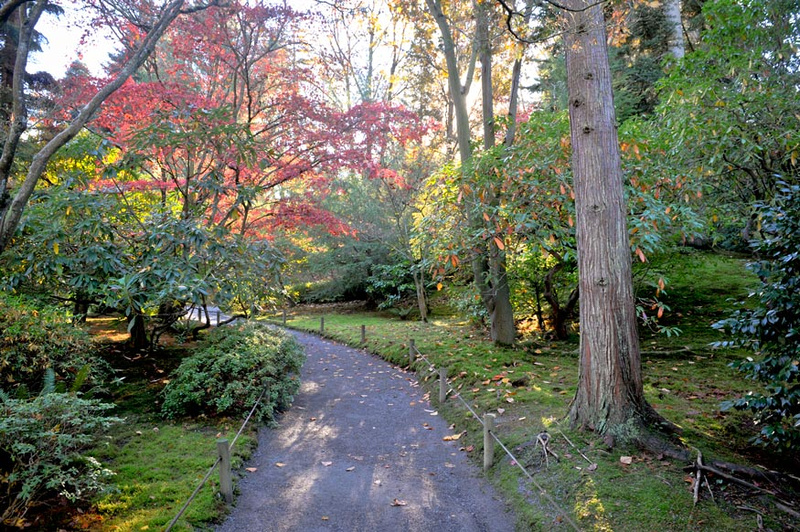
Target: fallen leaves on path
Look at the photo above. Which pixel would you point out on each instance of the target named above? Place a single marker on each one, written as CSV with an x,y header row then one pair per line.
x,y
398,502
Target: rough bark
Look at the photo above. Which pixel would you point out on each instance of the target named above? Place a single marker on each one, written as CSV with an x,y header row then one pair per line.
x,y
15,112
610,396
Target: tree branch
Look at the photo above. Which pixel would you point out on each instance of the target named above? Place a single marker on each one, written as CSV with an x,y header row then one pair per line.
x,y
12,215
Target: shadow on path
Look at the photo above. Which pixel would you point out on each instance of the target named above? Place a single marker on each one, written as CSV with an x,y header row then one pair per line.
x,y
360,436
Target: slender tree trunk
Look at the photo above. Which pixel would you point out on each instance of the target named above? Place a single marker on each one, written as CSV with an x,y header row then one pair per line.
x,y
494,279
488,268
610,393
672,11
422,300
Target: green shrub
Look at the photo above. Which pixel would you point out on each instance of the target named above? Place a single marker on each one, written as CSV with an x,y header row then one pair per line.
x,y
771,327
42,441
228,376
34,338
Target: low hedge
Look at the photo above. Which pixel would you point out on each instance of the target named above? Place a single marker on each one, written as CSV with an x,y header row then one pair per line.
x,y
226,377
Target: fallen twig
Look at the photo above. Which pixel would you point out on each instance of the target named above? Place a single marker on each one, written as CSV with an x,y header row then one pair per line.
x,y
726,476
574,447
787,509
698,476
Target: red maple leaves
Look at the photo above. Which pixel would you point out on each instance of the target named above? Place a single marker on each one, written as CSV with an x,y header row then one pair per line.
x,y
224,123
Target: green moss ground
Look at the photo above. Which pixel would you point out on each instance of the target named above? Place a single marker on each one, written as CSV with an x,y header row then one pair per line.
x,y
530,387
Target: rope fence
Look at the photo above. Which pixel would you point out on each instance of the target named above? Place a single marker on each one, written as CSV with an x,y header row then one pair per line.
x,y
224,461
487,422
489,436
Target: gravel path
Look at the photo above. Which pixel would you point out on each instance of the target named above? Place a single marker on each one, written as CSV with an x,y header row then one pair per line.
x,y
360,450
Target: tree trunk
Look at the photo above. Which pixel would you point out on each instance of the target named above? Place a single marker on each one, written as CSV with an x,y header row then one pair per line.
x,y
503,328
672,12
422,301
138,332
80,308
610,394
494,281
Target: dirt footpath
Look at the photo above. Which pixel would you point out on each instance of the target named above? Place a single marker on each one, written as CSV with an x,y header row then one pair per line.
x,y
360,450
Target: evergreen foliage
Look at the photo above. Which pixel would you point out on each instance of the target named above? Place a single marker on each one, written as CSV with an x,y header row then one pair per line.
x,y
42,452
770,329
230,373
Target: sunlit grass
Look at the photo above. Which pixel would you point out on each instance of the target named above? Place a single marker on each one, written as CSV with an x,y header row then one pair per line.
x,y
157,467
529,389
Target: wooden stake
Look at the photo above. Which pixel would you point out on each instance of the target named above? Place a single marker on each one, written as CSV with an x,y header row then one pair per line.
x,y
225,476
488,441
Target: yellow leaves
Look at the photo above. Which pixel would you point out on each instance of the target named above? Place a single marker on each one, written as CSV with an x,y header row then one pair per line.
x,y
794,158
438,287
69,210
55,248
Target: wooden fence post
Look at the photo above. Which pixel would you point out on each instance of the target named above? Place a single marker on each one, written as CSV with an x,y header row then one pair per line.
x,y
442,385
218,318
488,441
225,476
284,317
411,354
322,324
363,333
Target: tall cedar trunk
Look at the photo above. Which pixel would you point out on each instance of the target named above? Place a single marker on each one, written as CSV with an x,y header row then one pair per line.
x,y
610,392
